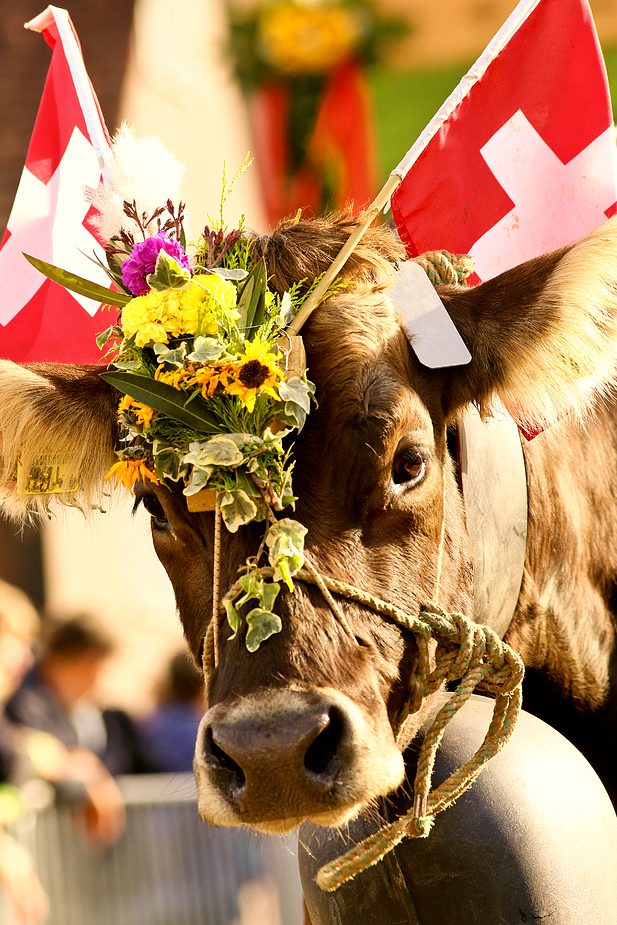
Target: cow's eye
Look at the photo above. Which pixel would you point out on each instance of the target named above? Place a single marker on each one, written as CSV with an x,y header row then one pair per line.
x,y
408,467
155,510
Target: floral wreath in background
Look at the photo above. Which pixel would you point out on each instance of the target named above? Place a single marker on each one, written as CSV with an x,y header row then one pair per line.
x,y
212,384
301,65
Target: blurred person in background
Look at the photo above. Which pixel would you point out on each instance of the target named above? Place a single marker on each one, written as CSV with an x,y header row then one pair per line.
x,y
39,748
56,696
18,628
170,732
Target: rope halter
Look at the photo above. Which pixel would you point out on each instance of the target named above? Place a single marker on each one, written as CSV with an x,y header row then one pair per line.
x,y
467,652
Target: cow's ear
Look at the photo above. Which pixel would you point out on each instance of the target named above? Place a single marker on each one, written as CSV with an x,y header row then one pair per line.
x,y
58,427
543,336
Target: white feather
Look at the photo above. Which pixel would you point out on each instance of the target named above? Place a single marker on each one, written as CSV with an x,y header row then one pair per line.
x,y
141,169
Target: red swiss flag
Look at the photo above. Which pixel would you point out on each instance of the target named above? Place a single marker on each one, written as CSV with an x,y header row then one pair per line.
x,y
522,158
40,320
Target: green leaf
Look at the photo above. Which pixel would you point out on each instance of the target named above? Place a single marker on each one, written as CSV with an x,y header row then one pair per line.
x,y
233,617
173,357
237,509
282,570
285,542
218,451
199,480
288,309
250,584
269,594
262,624
168,274
164,398
297,391
168,462
246,483
252,301
205,348
104,336
236,274
79,284
131,363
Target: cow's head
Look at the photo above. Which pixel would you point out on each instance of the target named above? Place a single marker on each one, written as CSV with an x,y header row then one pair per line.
x,y
307,726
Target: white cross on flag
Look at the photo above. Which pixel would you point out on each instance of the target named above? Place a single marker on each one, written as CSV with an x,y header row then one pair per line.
x,y
521,159
40,320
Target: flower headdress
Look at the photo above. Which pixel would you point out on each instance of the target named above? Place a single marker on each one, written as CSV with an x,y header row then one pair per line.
x,y
211,383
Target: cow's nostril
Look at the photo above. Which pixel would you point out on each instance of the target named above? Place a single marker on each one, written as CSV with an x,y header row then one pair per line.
x,y
219,760
322,758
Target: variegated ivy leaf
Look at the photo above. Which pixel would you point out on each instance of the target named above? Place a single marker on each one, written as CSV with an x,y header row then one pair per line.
x,y
173,357
276,438
199,480
265,592
247,484
168,463
292,415
237,273
262,624
237,509
269,594
288,310
297,391
233,617
104,336
168,274
285,542
221,450
204,349
128,364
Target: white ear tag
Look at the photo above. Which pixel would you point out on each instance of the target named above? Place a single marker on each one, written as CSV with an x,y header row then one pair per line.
x,y
432,333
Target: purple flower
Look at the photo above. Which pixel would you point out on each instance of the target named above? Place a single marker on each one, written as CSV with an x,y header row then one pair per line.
x,y
142,261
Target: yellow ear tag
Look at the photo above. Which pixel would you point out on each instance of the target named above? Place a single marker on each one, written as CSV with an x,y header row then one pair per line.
x,y
48,475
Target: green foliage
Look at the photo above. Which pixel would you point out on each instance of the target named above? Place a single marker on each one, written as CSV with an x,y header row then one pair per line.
x,y
164,398
78,284
168,274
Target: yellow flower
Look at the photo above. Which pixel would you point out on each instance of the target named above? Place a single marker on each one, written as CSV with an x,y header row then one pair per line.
x,y
175,377
155,317
129,471
255,372
209,377
142,412
125,403
218,291
303,38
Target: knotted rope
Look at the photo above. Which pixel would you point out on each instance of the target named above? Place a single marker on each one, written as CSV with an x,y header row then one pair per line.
x,y
467,652
445,269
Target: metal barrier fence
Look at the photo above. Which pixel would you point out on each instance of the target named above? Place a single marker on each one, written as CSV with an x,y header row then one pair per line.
x,y
169,868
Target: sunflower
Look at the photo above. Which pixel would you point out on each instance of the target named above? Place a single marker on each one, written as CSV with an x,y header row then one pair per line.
x,y
255,371
178,378
142,412
209,377
129,471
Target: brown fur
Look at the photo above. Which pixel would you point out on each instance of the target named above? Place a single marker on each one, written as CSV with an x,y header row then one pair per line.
x,y
544,338
63,410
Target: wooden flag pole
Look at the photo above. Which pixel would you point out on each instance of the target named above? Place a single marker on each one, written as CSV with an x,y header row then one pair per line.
x,y
316,296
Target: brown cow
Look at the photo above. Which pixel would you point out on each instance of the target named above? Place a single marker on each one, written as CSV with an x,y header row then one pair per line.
x,y
302,728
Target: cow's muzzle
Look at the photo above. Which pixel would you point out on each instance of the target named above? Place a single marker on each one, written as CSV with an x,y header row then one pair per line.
x,y
279,757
